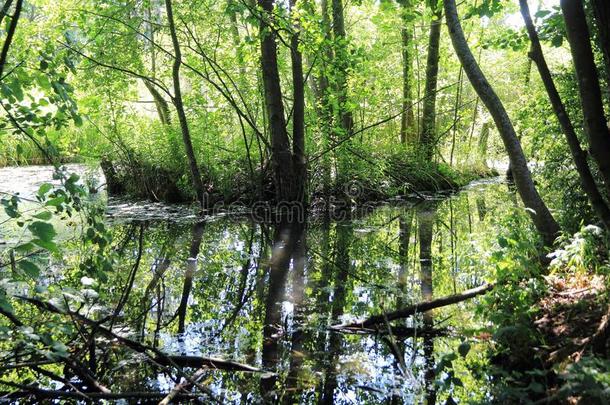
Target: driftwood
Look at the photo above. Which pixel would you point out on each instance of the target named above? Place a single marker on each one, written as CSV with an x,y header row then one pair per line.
x,y
204,362
54,394
415,309
400,332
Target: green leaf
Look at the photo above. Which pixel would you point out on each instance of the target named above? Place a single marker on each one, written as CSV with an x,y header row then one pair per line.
x,y
463,349
44,188
45,215
42,230
55,202
48,245
29,268
24,247
502,242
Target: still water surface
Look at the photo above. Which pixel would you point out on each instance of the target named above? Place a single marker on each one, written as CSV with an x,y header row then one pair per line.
x,y
265,295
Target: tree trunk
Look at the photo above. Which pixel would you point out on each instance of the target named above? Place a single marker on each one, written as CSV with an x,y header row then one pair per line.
x,y
298,112
428,131
10,32
324,107
160,103
177,100
341,64
588,86
280,144
482,145
344,114
426,218
541,216
578,155
407,118
601,12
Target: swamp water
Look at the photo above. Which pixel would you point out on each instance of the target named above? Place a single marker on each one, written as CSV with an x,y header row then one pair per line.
x,y
265,295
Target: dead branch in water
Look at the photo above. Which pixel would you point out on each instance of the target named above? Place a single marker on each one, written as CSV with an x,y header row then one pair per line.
x,y
205,362
400,332
415,309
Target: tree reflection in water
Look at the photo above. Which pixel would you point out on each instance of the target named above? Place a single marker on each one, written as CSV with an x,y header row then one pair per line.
x,y
226,288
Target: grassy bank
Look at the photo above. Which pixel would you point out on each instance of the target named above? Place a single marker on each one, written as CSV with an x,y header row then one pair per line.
x,y
398,175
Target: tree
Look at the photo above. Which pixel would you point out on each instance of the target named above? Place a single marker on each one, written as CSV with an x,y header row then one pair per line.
x,y
540,214
298,111
288,180
578,155
601,13
588,85
428,129
407,119
178,103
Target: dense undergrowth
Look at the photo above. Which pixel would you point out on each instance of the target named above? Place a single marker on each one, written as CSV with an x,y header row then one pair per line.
x,y
373,177
549,318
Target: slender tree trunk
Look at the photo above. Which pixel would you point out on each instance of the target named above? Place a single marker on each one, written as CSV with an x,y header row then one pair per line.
x,y
237,41
541,216
426,218
160,103
280,144
298,112
191,268
5,7
588,86
178,103
323,95
456,112
407,118
9,33
428,130
601,12
578,155
482,145
341,64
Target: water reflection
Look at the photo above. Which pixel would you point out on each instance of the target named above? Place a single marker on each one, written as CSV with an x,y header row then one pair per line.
x,y
265,295
426,216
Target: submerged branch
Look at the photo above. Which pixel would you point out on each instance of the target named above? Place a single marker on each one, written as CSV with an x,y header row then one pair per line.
x,y
416,308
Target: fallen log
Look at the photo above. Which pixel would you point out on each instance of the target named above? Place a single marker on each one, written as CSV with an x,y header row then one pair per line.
x,y
204,362
416,308
400,332
56,394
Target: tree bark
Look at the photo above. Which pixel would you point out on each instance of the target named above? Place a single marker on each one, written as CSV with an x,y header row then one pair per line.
x,y
9,33
160,103
407,118
428,131
541,216
324,107
588,86
5,7
343,114
601,13
280,144
578,155
298,112
341,64
178,103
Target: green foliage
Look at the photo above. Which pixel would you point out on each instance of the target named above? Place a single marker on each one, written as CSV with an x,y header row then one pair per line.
x,y
589,379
